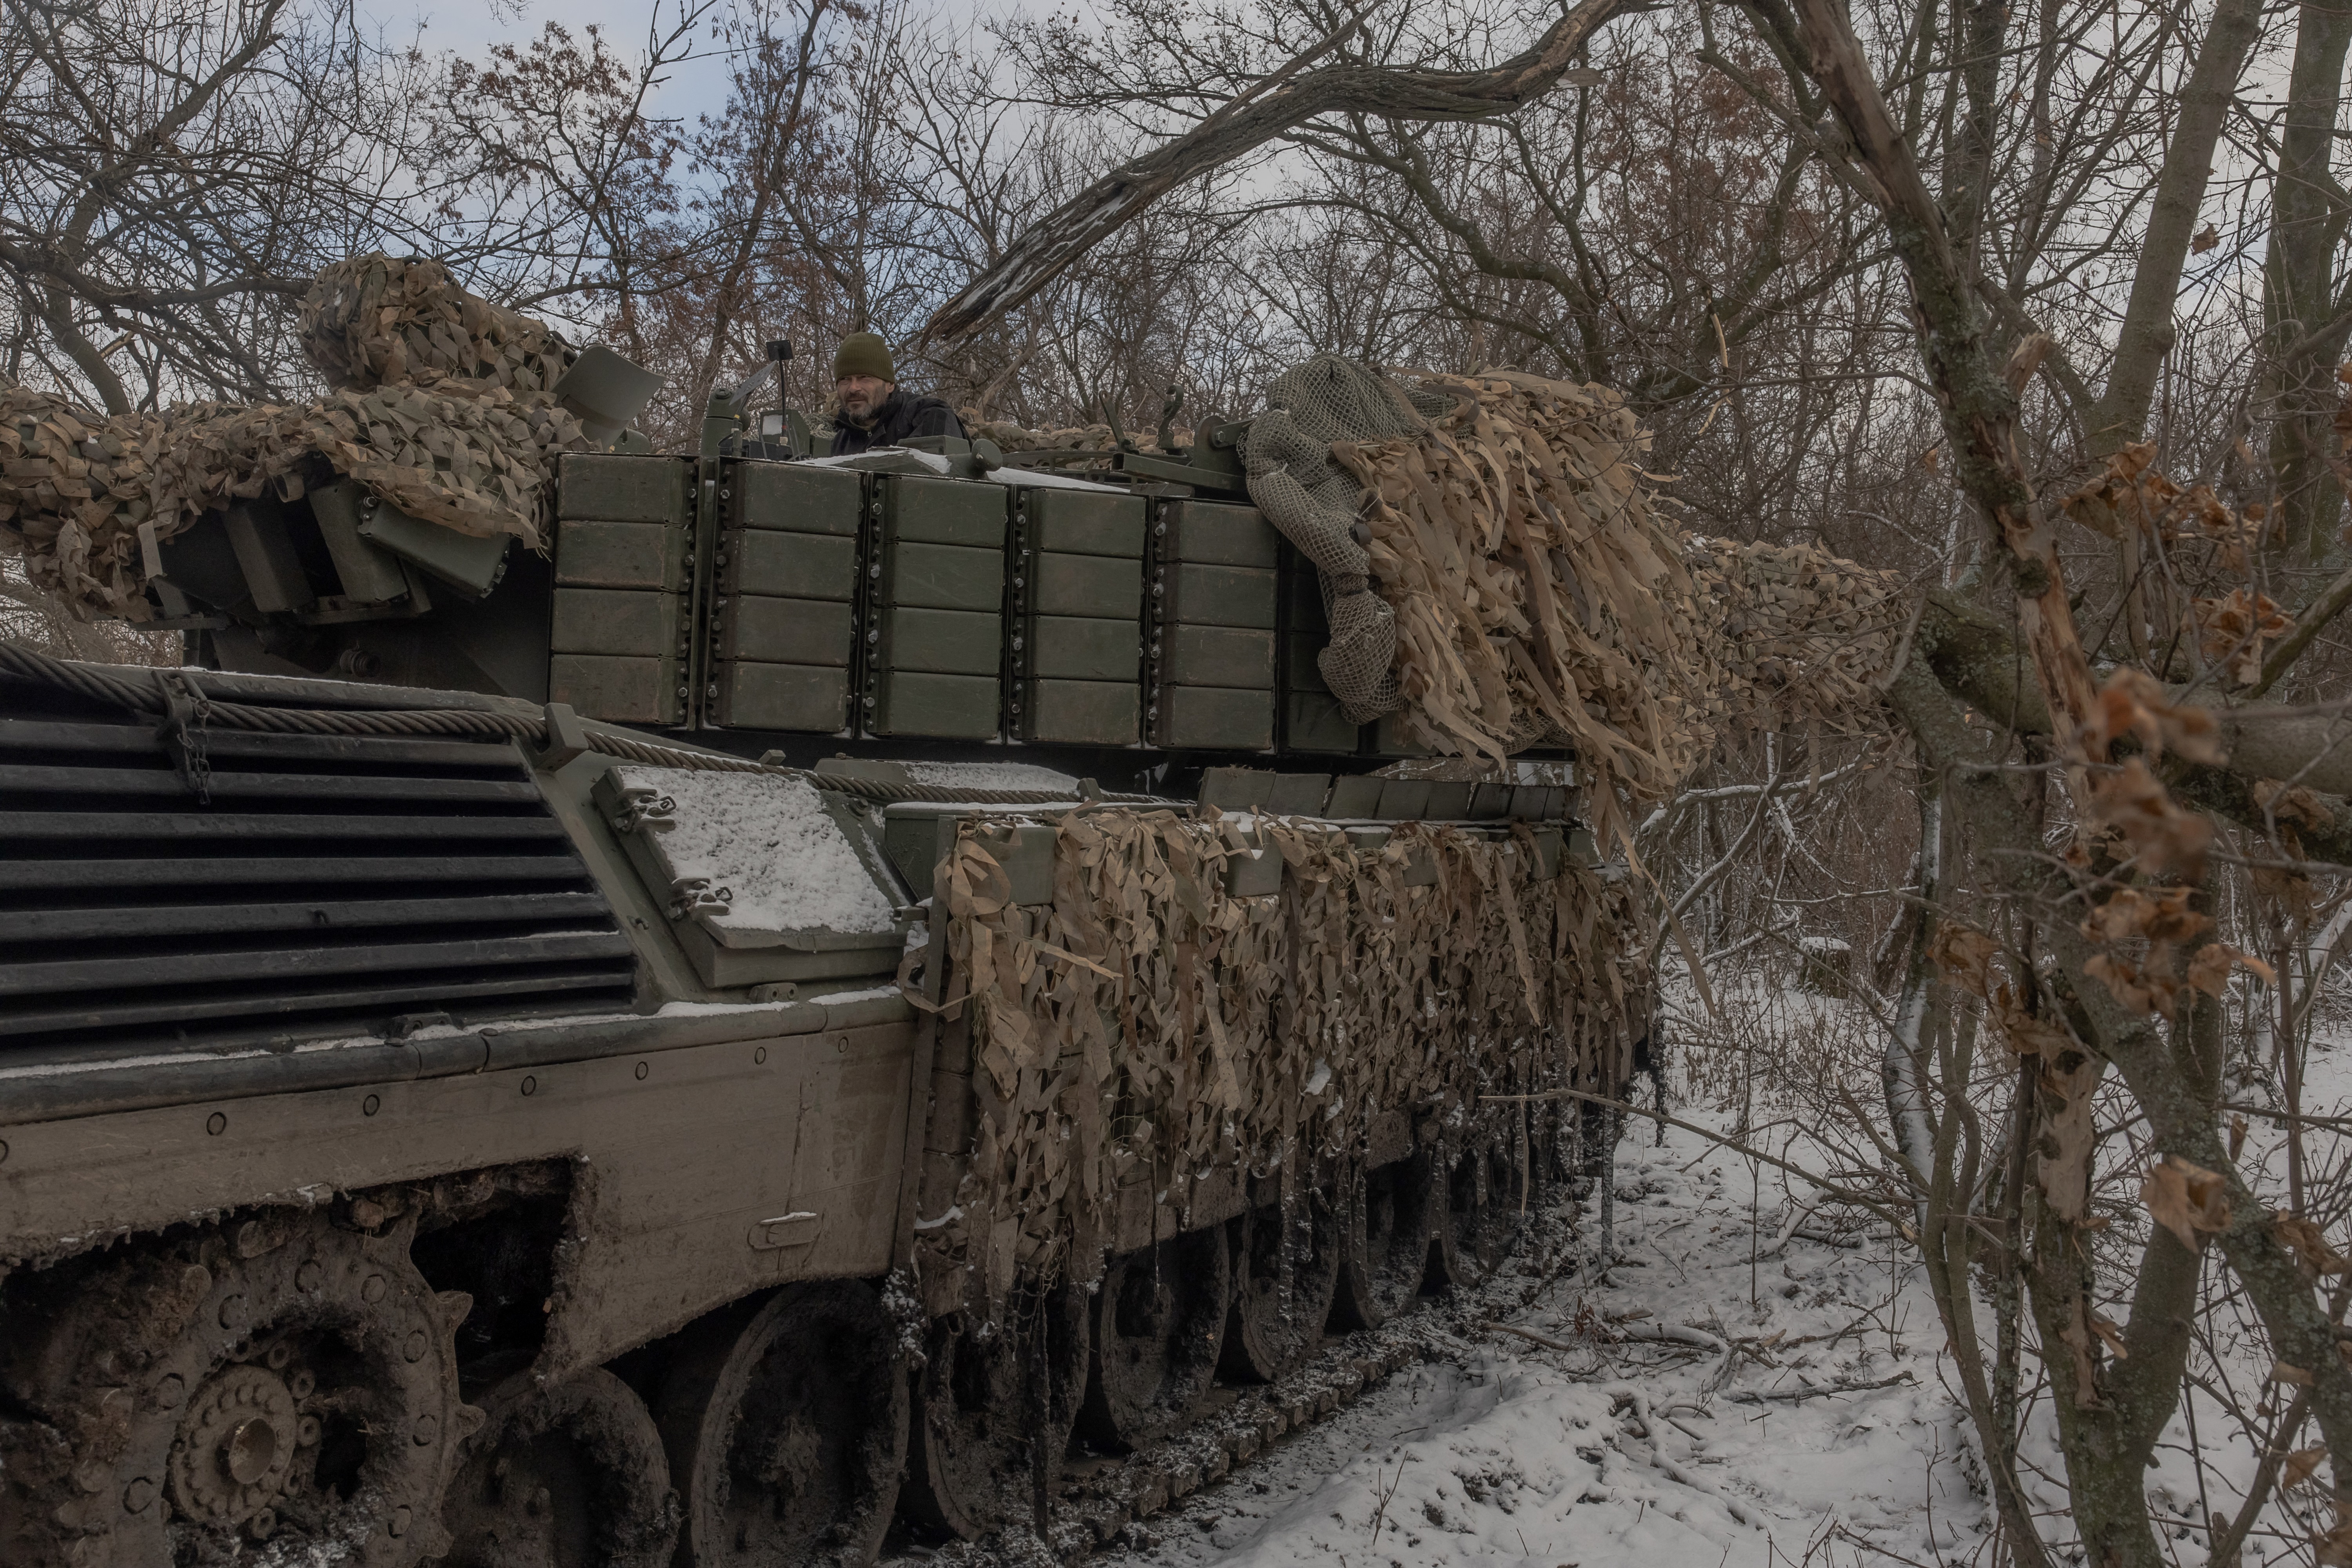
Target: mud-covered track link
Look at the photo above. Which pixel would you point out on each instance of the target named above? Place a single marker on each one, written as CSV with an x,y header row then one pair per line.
x,y
372,1377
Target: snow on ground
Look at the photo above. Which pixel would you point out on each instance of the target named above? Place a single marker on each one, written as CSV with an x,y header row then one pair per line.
x,y
1828,1431
1830,1434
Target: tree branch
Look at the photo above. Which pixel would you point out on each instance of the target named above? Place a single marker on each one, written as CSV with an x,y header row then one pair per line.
x,y
1246,123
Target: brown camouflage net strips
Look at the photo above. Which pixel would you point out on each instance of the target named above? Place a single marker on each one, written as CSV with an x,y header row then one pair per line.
x,y
469,440
1144,1028
1544,597
377,322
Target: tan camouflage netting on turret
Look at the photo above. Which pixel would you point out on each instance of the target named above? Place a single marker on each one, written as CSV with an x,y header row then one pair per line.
x,y
1533,588
1146,1027
441,409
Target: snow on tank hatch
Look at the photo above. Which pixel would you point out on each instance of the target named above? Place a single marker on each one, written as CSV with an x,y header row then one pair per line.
x,y
763,877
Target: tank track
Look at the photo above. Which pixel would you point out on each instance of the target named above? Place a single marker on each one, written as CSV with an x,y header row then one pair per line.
x,y
1107,1503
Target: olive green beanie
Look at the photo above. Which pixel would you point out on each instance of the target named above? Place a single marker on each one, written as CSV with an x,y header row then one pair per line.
x,y
862,353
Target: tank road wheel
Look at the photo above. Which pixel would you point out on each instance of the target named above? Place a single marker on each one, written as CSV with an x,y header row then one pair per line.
x,y
1286,1269
568,1476
1389,1219
787,1434
1159,1322
994,1403
296,1385
1477,1212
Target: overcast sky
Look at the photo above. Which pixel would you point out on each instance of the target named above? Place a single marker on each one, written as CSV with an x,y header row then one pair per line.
x,y
470,27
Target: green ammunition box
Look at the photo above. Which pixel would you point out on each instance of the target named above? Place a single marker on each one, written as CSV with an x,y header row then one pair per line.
x,y
618,691
1235,789
782,697
1216,534
1216,656
789,565
944,511
1254,874
945,642
1025,850
917,839
616,621
1218,595
1548,843
796,497
1082,522
1213,716
783,631
591,553
1312,721
919,702
943,577
1448,802
620,488
1304,673
1108,585
1389,739
1402,800
1078,713
1303,601
1060,647
1356,796
1489,800
1298,795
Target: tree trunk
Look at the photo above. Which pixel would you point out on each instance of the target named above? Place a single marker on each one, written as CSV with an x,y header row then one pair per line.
x,y
2146,334
2301,315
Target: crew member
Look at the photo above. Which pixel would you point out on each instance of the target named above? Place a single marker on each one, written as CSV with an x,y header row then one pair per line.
x,y
869,408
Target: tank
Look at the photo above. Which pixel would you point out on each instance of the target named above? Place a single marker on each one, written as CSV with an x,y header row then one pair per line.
x,y
842,984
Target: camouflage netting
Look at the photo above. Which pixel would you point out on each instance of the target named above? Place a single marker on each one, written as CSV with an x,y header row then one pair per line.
x,y
1532,589
375,322
1296,476
469,440
1012,437
1146,1027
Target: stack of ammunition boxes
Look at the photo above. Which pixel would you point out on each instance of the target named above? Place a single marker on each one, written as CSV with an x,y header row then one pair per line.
x,y
781,624
840,600
1214,600
1076,592
624,566
935,599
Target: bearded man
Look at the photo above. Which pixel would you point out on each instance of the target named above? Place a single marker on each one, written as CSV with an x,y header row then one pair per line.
x,y
870,409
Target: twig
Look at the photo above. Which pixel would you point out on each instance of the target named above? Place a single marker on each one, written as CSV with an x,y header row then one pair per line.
x,y
1808,1391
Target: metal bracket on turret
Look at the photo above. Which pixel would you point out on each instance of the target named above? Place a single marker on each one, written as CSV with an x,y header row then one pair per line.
x,y
566,737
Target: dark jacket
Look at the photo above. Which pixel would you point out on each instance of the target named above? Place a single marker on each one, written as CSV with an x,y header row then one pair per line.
x,y
901,416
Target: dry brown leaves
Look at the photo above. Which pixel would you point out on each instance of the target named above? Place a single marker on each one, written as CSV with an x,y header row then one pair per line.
x,y
2232,629
1975,962
2313,1252
2145,933
2134,702
2130,492
2188,1200
2132,496
2334,1549
1147,1028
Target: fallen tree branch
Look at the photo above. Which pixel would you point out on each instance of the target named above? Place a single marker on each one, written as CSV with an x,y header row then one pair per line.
x,y
1807,1391
1244,125
1848,1195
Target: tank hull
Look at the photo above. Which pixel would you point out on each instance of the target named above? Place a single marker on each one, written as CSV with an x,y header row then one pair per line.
x,y
664,1149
